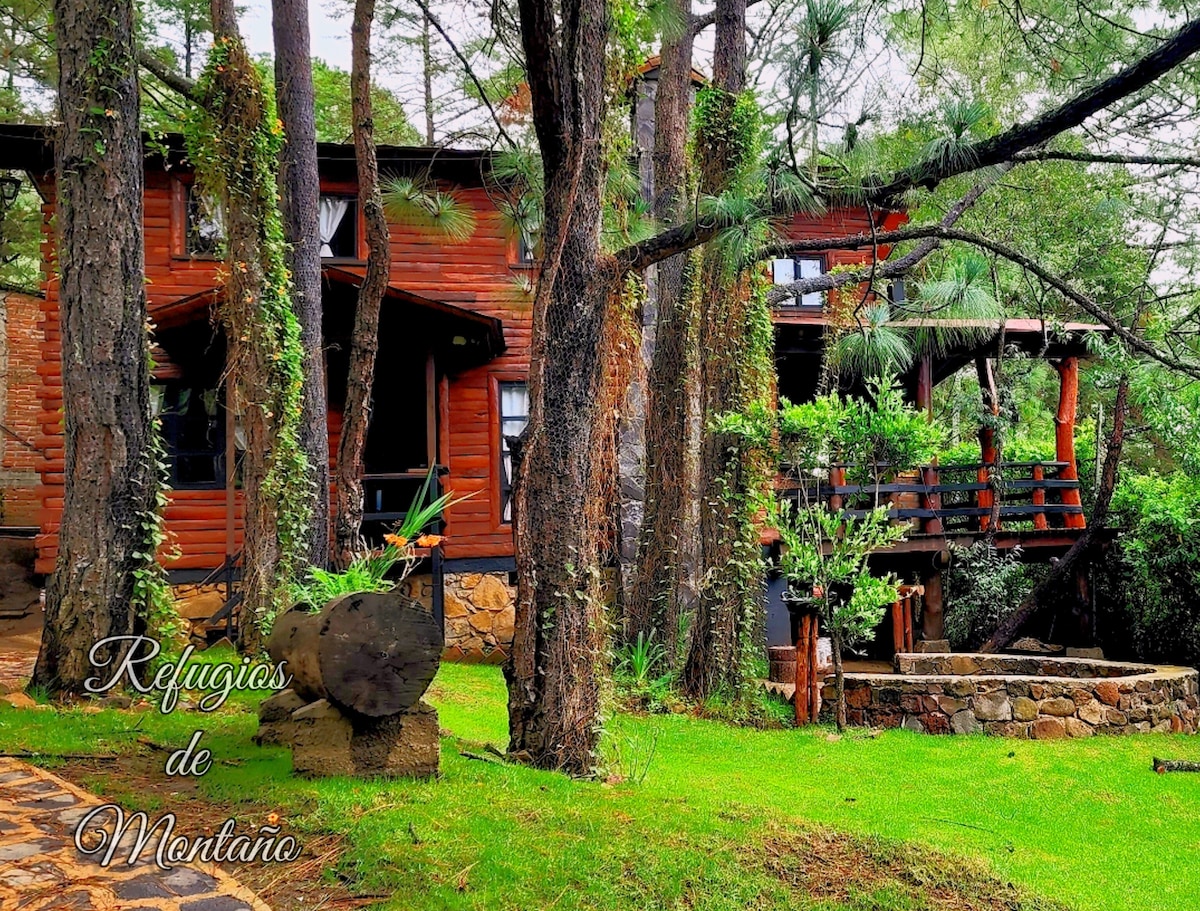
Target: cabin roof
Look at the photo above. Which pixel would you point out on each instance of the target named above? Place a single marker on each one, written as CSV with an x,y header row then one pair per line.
x,y
30,147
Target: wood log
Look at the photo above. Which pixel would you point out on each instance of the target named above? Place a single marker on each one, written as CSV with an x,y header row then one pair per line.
x,y
1174,765
373,654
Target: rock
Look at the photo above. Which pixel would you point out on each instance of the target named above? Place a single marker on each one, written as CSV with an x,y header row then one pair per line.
x,y
1095,654
1057,706
936,723
1029,645
470,580
504,626
1006,729
454,606
280,706
1024,709
406,745
481,621
1080,697
1077,728
201,606
1047,729
913,723
960,688
1108,692
321,740
965,722
1092,712
964,665
491,594
116,701
993,707
951,706
1116,716
932,646
19,701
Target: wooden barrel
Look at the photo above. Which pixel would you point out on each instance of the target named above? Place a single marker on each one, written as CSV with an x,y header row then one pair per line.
x,y
782,664
370,653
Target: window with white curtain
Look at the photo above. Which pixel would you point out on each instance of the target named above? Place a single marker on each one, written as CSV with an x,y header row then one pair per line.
x,y
339,227
514,415
786,271
204,225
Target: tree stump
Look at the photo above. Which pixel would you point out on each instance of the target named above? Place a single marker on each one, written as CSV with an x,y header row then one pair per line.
x,y
359,667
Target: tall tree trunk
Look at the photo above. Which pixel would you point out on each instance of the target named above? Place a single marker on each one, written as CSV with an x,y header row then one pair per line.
x,y
364,343
109,469
666,547
427,78
728,543
1058,579
265,358
299,202
558,646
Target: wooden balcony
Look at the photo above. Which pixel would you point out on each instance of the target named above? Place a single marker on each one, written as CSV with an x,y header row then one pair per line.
x,y
1039,509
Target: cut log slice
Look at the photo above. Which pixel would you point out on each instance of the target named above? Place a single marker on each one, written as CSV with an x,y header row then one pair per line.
x,y
370,653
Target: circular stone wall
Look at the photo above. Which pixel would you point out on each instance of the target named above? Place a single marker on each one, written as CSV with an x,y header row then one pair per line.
x,y
1019,696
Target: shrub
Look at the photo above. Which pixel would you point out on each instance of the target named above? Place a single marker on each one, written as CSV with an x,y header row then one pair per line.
x,y
983,586
1146,588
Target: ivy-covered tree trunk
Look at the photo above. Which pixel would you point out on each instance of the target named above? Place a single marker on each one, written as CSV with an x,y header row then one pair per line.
x,y
364,342
667,543
235,156
299,201
558,659
735,370
105,538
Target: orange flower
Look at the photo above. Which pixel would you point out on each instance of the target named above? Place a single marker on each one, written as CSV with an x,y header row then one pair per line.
x,y
818,592
273,819
429,540
396,540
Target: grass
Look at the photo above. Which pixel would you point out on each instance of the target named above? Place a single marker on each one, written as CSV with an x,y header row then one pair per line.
x,y
725,817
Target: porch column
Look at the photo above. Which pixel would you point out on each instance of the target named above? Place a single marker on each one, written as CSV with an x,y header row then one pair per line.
x,y
1064,433
987,438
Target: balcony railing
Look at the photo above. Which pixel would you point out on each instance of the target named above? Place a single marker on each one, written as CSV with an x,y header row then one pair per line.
x,y
955,498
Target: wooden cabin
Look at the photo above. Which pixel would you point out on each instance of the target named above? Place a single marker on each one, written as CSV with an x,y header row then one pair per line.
x,y
451,382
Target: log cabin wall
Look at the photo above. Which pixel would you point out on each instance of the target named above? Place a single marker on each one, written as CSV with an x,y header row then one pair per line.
x,y
483,274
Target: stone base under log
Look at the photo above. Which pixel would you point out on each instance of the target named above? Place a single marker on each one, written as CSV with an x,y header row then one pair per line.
x,y
325,741
979,699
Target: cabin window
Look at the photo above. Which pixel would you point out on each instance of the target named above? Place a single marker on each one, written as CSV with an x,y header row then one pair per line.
x,y
514,415
786,271
339,227
204,225
193,433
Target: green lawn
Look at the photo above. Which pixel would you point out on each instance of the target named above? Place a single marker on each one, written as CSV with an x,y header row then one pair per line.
x,y
722,820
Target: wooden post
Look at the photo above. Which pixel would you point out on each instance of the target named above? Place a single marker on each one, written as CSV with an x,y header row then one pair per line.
x,y
815,680
898,625
1039,497
933,621
925,386
985,499
837,478
800,697
932,499
1064,433
907,613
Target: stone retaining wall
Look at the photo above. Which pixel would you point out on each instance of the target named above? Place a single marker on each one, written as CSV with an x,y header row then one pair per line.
x,y
480,613
1027,665
1165,699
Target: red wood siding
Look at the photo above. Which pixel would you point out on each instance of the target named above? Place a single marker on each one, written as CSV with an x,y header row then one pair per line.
x,y
478,274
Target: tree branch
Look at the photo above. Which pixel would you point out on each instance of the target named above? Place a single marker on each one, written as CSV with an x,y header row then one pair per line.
x,y
467,68
929,172
932,235
1005,146
181,84
1188,161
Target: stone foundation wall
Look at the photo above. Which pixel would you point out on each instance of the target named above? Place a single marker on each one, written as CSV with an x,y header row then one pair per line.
x,y
480,613
1028,665
1158,699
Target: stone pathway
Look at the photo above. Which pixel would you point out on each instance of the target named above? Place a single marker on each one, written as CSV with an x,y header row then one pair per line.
x,y
40,869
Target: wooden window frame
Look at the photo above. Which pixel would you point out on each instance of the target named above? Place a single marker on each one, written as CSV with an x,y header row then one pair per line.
x,y
496,453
